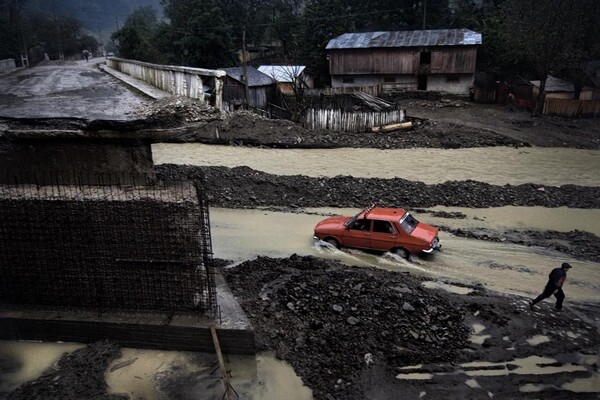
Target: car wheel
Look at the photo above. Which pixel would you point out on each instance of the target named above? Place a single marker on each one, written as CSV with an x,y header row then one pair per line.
x,y
402,253
332,242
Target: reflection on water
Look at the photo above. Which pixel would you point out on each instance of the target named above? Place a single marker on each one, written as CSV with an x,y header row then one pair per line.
x,y
244,234
496,165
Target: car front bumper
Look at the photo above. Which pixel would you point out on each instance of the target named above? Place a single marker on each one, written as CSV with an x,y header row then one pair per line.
x,y
434,246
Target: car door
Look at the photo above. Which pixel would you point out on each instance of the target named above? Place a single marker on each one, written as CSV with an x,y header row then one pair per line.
x,y
383,236
358,234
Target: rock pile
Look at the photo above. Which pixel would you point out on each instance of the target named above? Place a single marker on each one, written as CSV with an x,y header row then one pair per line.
x,y
331,322
244,187
184,108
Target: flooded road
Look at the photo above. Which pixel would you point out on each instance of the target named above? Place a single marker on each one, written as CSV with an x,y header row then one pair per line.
x,y
496,165
240,235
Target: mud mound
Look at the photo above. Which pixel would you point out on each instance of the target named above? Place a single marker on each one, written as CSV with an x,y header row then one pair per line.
x,y
331,322
79,375
242,187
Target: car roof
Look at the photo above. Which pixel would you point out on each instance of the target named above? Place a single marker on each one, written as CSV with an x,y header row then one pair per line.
x,y
386,213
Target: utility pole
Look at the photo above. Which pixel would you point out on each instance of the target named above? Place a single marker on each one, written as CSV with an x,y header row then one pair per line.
x,y
61,55
424,13
117,21
244,69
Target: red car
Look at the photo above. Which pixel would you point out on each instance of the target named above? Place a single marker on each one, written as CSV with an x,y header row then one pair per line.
x,y
382,229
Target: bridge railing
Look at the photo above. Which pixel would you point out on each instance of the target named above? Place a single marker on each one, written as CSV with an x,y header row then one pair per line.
x,y
196,83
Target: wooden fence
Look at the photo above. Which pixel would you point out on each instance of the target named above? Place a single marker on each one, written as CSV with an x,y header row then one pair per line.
x,y
572,108
330,91
339,120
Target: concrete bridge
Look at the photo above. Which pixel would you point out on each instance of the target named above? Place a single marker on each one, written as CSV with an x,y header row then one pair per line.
x,y
79,89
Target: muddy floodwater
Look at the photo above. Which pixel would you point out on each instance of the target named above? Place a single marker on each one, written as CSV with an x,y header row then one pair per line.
x,y
507,268
496,165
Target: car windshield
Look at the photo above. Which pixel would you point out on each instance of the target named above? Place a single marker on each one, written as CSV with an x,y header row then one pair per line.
x,y
408,222
352,220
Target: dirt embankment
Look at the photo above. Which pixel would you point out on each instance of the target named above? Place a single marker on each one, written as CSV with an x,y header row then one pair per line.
x,y
437,124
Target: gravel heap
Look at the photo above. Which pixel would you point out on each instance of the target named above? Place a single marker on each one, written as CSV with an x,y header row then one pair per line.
x,y
244,187
331,322
184,108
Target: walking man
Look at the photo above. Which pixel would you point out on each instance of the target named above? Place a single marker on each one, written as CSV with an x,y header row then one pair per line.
x,y
554,287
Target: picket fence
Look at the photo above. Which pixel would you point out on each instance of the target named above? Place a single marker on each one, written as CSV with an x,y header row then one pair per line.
x,y
356,121
572,108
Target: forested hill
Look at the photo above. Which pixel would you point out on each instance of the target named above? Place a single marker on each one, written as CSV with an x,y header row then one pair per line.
x,y
97,16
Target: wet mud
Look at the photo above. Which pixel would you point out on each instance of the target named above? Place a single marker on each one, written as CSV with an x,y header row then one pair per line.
x,y
78,375
356,333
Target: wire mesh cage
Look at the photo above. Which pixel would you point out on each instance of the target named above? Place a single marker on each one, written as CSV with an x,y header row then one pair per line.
x,y
103,247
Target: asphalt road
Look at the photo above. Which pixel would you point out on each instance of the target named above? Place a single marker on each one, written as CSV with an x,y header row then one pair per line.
x,y
72,89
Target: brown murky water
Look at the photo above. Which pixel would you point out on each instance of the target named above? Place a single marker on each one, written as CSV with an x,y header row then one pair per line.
x,y
163,375
496,165
244,234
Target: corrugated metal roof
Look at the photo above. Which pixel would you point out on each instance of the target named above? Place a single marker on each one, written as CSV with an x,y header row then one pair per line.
x,y
255,77
425,38
282,73
555,85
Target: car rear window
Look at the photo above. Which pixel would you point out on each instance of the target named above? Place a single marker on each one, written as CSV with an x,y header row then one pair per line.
x,y
408,223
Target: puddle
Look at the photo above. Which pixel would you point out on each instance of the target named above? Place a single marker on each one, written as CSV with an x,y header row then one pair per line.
x,y
472,383
162,375
31,359
447,287
537,339
415,376
584,385
534,365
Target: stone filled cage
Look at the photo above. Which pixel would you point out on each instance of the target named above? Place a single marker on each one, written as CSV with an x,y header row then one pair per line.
x,y
141,246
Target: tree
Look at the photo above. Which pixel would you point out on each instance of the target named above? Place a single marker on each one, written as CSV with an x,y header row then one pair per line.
x,y
12,38
321,23
549,35
201,36
137,37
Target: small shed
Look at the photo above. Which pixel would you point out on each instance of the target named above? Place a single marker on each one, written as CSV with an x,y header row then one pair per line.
x,y
261,88
560,89
286,75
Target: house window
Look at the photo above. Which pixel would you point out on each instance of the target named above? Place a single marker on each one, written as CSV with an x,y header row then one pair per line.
x,y
348,80
453,78
425,58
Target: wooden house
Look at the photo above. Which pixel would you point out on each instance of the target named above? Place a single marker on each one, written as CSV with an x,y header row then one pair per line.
x,y
434,60
286,75
261,88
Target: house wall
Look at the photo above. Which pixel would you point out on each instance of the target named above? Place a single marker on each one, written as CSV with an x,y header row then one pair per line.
x,y
450,59
373,61
453,60
440,83
406,82
258,96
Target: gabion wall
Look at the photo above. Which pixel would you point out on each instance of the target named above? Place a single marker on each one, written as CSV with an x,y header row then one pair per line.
x,y
104,248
